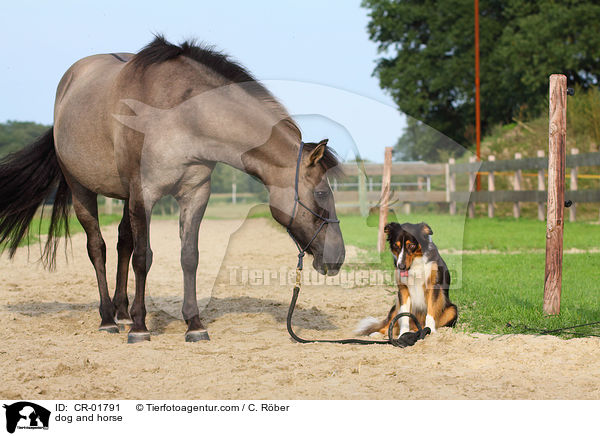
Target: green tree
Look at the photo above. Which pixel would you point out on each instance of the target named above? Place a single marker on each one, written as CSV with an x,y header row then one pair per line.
x,y
15,135
427,62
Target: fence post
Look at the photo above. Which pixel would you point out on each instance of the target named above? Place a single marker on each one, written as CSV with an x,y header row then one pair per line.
x,y
491,188
471,207
362,193
233,193
557,138
541,187
574,171
370,184
452,187
385,198
517,186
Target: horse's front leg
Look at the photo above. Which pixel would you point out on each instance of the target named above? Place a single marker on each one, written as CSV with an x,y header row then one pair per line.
x,y
139,215
192,206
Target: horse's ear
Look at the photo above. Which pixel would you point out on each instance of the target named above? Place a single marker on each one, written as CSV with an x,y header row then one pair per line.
x,y
317,154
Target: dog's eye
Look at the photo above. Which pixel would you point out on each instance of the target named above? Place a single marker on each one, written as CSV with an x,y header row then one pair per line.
x,y
412,247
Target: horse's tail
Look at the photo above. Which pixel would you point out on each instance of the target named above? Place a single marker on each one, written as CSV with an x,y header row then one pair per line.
x,y
28,178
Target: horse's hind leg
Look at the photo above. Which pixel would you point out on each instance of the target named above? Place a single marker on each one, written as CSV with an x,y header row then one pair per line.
x,y
124,249
139,215
86,208
192,207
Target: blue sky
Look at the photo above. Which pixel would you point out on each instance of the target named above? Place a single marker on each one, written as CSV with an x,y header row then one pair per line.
x,y
314,55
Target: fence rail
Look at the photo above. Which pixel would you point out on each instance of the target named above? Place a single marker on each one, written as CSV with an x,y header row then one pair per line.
x,y
514,170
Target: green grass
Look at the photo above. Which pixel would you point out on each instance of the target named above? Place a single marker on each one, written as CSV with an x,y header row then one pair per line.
x,y
503,293
458,233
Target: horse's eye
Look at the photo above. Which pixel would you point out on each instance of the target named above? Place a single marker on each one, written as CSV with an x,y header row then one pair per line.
x,y
321,194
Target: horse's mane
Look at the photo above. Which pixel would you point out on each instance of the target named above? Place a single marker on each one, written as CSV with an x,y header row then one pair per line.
x,y
160,50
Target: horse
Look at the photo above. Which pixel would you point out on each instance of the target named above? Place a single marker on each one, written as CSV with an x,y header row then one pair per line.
x,y
138,127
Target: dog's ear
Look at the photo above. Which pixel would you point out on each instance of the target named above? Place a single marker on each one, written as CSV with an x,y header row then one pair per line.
x,y
391,230
426,229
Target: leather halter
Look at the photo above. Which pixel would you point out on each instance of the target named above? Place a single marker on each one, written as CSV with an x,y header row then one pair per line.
x,y
297,201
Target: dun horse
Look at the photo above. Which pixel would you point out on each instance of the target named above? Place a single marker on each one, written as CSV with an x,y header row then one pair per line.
x,y
139,127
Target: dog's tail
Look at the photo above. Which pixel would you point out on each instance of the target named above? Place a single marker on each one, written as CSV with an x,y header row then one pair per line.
x,y
370,325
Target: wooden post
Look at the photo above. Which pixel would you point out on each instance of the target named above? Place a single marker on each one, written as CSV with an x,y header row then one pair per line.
x,y
362,193
370,184
406,208
557,138
234,193
472,187
452,187
541,187
385,198
335,186
517,187
491,188
574,171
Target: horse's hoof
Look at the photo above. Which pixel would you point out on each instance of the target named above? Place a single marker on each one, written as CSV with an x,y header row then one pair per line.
x,y
135,337
196,336
109,328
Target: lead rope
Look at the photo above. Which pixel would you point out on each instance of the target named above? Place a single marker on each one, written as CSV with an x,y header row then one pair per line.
x,y
396,342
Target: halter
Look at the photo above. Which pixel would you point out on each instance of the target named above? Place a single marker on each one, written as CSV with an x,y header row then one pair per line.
x,y
297,201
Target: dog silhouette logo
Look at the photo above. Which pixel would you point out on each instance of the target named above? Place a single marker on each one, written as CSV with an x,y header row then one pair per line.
x,y
26,415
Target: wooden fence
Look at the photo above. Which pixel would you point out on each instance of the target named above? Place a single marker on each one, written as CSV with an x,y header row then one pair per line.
x,y
515,170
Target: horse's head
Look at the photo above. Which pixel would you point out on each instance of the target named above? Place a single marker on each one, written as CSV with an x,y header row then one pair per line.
x,y
323,240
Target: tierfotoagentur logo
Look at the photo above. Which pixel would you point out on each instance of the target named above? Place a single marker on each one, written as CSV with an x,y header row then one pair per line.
x,y
24,415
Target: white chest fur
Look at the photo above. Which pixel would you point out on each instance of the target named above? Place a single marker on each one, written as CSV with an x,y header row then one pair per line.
x,y
419,272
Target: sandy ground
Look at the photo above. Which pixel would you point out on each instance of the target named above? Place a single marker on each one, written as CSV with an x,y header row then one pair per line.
x,y
51,349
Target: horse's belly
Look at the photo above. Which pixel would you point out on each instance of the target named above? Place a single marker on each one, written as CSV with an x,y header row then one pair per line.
x,y
92,167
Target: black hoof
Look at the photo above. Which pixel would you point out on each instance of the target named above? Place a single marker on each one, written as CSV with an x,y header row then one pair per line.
x,y
109,328
135,337
196,336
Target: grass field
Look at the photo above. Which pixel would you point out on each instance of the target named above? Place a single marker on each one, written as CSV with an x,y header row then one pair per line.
x,y
503,293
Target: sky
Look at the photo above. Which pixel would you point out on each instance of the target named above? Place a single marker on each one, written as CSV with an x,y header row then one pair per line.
x,y
315,56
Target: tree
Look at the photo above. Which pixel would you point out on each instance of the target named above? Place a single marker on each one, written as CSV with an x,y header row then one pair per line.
x,y
15,135
427,62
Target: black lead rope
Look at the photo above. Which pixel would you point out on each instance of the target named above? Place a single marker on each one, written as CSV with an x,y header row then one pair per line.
x,y
397,342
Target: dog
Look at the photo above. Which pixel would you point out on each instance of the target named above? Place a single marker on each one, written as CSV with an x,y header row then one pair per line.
x,y
423,282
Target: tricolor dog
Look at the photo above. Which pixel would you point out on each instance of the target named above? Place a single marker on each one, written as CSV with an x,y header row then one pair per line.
x,y
423,281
